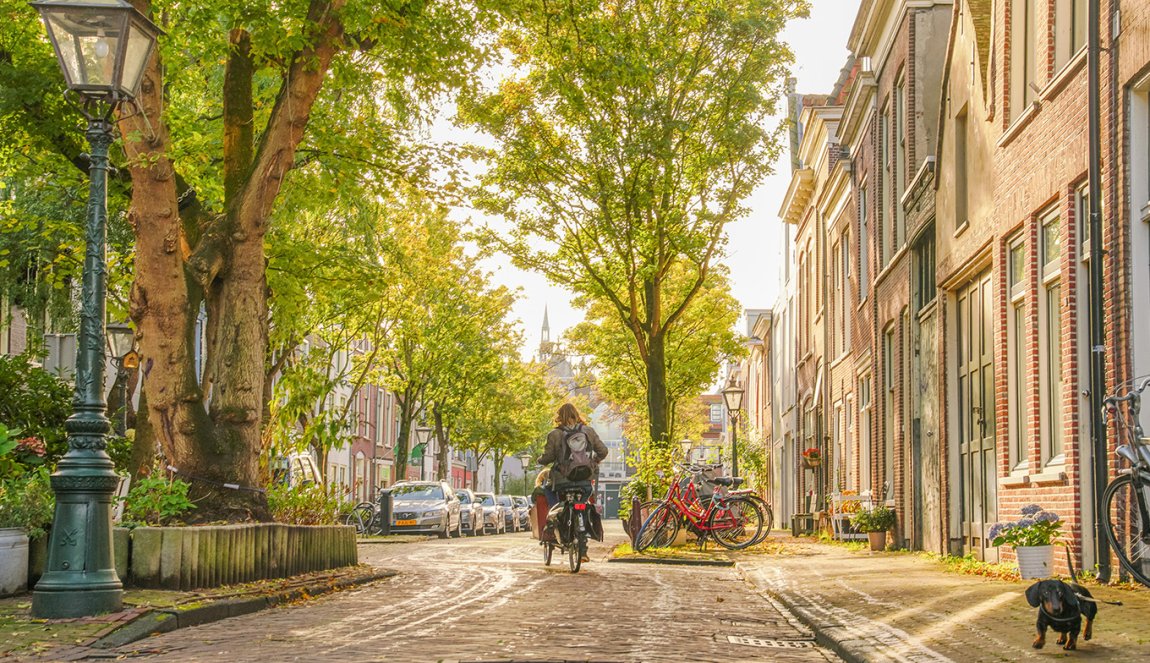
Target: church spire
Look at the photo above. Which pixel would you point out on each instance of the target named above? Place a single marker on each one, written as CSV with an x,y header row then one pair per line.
x,y
546,327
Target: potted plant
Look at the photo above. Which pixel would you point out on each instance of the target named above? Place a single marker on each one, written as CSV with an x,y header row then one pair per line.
x,y
875,521
26,505
812,457
1032,537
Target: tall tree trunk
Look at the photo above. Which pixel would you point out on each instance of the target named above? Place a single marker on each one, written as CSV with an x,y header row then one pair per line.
x,y
657,390
210,431
443,446
402,445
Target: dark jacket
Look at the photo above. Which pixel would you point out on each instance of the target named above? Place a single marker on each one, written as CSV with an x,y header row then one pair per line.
x,y
553,452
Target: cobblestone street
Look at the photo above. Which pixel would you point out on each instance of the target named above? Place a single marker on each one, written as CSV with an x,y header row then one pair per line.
x,y
492,599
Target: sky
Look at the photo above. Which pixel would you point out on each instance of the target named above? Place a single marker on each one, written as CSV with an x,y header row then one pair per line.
x,y
755,241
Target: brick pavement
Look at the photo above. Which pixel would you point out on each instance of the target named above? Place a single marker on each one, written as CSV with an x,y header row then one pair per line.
x,y
903,607
491,599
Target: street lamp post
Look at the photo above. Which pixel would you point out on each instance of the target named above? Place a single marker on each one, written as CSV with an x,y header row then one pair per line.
x,y
102,47
733,397
120,338
423,439
503,486
525,458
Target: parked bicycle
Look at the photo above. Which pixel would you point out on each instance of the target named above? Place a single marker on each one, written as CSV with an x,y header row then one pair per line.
x,y
366,517
1127,497
735,522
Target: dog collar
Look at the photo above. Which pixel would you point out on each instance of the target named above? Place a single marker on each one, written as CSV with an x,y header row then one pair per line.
x,y
1042,609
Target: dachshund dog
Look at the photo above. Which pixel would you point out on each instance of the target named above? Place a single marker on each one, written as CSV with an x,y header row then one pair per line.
x,y
1062,606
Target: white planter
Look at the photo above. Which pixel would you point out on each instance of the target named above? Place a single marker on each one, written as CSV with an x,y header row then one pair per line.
x,y
1035,561
13,561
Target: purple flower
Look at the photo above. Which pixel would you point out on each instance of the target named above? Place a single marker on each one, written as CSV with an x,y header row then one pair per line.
x,y
995,530
1026,522
1047,517
1030,509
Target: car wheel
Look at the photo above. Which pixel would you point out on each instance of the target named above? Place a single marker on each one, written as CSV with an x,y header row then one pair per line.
x,y
445,532
459,528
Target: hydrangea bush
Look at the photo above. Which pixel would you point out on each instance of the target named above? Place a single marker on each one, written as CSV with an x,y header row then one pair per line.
x,y
1037,527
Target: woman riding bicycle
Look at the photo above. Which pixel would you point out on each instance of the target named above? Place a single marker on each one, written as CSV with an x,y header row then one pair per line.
x,y
574,452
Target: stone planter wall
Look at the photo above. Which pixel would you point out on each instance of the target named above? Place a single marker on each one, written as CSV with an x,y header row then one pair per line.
x,y
200,557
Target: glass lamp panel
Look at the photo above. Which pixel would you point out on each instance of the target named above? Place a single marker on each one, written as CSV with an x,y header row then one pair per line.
x,y
136,55
98,59
119,339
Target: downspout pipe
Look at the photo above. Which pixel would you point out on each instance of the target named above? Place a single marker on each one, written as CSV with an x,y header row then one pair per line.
x,y
1097,323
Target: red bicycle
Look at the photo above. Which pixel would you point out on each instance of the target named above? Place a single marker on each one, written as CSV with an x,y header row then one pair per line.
x,y
735,522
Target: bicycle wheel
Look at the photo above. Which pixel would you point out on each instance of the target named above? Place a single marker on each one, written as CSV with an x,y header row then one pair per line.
x,y
659,530
573,558
547,550
735,523
1126,529
768,517
360,517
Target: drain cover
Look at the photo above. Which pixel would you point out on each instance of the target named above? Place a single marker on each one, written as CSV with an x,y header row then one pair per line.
x,y
764,642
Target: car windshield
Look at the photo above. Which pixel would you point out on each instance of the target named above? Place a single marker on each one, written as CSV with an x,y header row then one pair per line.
x,y
487,500
521,501
504,500
418,492
463,498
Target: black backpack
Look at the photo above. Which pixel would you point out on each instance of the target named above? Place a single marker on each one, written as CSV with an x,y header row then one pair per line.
x,y
576,462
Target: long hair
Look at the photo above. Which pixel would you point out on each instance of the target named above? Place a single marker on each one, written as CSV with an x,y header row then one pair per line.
x,y
568,416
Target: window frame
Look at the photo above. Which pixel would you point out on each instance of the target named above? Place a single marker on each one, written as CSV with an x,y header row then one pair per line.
x,y
1051,348
1018,432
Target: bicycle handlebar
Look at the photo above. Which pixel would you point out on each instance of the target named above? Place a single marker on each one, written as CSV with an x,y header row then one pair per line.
x,y
1128,396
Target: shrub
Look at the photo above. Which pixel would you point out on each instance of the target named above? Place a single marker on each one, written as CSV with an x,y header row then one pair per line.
x,y
874,519
36,402
156,501
306,504
28,502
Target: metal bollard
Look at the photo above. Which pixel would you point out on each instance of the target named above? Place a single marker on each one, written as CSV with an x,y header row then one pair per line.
x,y
634,520
384,512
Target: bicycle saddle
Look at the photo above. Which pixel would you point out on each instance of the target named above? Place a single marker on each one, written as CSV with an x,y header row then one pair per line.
x,y
733,482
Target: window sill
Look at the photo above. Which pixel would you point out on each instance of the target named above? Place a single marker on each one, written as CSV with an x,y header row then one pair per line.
x,y
961,228
1019,124
1050,476
1014,481
1064,76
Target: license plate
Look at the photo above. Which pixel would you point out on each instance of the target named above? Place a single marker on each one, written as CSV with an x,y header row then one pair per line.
x,y
404,523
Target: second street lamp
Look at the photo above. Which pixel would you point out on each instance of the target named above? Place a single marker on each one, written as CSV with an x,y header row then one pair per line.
x,y
102,47
733,397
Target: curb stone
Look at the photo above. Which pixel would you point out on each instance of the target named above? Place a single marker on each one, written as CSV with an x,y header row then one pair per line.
x,y
672,561
165,620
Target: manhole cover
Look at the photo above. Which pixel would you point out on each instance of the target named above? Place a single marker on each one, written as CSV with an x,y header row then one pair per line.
x,y
765,642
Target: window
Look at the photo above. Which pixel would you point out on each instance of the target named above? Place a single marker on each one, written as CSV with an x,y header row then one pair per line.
x,y
835,295
884,205
716,413
844,298
849,456
888,360
864,239
864,431
900,163
924,270
961,200
1023,56
1050,342
1016,354
1069,30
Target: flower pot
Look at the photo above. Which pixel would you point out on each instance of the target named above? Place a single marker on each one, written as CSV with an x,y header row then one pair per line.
x,y
877,540
812,464
1035,561
13,561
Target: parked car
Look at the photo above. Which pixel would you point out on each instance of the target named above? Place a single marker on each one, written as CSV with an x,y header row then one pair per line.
x,y
510,513
523,510
470,511
425,506
493,519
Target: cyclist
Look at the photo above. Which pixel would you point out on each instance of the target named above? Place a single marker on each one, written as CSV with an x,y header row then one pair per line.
x,y
573,452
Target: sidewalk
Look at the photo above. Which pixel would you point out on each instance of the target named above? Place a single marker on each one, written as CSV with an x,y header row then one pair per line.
x,y
904,607
148,611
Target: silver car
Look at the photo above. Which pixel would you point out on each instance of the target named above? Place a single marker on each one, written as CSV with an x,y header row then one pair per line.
x,y
470,511
425,506
522,510
493,519
510,513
